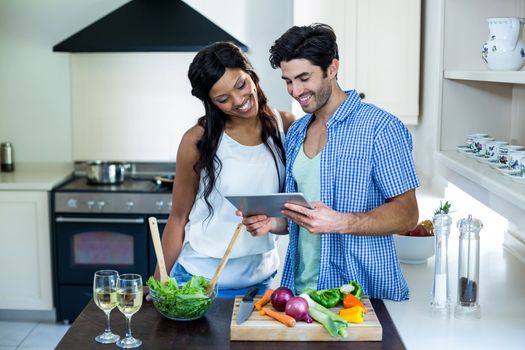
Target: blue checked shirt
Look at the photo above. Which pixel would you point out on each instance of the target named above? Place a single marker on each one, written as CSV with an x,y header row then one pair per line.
x,y
366,160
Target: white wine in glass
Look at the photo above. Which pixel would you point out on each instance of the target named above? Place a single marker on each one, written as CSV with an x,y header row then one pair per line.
x,y
129,301
105,297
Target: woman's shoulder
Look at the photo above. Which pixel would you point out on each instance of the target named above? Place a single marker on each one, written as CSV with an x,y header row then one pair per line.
x,y
194,133
190,138
287,119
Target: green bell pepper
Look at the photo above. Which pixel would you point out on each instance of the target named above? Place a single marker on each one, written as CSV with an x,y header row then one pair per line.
x,y
352,288
327,297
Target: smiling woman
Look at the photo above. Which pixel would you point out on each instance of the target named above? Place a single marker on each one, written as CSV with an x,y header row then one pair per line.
x,y
238,131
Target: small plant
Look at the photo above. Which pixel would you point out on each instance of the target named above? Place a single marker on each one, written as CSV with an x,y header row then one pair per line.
x,y
444,208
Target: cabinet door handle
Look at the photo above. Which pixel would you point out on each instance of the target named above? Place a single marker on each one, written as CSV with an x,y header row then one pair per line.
x,y
362,95
101,220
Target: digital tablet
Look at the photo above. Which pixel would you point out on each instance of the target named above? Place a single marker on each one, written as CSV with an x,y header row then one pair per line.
x,y
266,204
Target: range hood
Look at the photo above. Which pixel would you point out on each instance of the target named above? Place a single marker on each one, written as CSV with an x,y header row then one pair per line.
x,y
148,25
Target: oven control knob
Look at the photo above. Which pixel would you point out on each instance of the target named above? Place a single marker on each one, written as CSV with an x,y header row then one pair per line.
x,y
159,205
101,205
90,204
170,205
72,203
130,205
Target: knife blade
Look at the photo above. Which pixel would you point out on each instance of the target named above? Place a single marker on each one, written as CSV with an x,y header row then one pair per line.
x,y
246,306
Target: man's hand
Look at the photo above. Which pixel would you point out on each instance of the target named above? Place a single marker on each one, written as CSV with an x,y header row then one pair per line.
x,y
321,219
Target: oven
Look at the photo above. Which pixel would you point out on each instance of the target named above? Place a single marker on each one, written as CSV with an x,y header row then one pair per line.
x,y
99,227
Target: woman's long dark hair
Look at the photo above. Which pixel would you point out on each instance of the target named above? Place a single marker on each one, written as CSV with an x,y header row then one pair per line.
x,y
205,70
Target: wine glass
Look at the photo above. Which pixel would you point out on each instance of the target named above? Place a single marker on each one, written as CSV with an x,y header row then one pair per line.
x,y
105,297
129,301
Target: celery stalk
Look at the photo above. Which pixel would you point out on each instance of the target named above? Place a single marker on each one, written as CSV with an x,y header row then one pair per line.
x,y
332,322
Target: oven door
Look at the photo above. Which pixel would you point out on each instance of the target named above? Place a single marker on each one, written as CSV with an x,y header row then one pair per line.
x,y
87,243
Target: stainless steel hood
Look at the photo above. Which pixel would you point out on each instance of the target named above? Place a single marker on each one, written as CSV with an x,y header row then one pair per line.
x,y
148,25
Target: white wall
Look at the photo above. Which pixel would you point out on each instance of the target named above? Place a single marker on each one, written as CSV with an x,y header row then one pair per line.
x,y
35,108
35,87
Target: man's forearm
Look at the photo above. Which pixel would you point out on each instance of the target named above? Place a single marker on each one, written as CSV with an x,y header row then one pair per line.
x,y
396,215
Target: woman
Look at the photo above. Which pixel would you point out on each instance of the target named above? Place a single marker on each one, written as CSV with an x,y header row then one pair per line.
x,y
236,147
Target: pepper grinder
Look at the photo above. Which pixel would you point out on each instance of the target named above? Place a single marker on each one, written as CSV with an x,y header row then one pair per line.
x,y
440,300
467,305
6,157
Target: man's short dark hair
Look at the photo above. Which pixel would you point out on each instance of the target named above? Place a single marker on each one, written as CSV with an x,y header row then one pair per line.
x,y
315,42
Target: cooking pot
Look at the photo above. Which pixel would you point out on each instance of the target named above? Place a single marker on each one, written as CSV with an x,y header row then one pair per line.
x,y
102,172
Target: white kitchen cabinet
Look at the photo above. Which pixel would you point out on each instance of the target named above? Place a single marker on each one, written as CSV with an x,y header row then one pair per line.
x,y
379,48
25,251
474,99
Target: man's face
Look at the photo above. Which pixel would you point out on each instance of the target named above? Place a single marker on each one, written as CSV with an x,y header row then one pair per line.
x,y
307,84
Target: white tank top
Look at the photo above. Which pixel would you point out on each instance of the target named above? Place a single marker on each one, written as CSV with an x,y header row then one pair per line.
x,y
245,169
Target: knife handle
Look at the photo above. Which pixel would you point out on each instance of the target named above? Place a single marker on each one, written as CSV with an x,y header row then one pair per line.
x,y
252,292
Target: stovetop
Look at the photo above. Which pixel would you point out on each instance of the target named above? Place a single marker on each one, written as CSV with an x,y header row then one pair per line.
x,y
133,196
137,185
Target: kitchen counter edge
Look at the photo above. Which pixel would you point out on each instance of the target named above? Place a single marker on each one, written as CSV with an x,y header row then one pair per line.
x,y
35,176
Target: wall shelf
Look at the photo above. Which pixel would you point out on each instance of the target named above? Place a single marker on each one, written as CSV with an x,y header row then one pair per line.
x,y
484,183
511,77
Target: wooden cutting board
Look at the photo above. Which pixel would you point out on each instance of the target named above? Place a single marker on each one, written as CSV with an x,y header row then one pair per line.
x,y
265,328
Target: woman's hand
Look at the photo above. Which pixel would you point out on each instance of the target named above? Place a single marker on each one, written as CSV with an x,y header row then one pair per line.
x,y
260,225
257,225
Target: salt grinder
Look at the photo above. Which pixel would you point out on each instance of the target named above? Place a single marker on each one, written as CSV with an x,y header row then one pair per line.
x,y
467,305
440,300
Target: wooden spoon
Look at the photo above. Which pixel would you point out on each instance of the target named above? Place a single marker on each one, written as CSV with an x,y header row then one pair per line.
x,y
225,258
158,248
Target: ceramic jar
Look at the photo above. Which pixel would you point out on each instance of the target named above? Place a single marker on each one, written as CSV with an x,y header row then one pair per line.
x,y
504,50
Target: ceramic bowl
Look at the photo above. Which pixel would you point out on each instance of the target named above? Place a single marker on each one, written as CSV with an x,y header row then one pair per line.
x,y
184,307
414,249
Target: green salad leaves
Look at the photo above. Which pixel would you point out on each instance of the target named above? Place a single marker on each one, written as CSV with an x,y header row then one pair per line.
x,y
187,302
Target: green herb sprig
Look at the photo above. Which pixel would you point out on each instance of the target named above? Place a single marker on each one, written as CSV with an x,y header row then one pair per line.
x,y
444,208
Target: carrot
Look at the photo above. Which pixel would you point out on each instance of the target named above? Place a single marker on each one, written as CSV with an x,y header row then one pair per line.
x,y
283,318
264,300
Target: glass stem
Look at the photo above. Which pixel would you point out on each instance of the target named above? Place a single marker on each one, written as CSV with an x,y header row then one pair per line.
x,y
108,328
128,322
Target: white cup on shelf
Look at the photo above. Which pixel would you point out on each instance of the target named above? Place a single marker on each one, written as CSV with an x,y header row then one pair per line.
x,y
514,159
469,139
521,166
479,145
505,150
492,149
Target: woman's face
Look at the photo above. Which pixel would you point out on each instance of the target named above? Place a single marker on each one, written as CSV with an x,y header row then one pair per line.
x,y
235,94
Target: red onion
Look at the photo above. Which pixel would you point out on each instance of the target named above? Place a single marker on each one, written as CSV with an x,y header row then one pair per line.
x,y
297,307
280,297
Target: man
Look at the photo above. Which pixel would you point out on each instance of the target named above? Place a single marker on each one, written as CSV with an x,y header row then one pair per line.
x,y
354,161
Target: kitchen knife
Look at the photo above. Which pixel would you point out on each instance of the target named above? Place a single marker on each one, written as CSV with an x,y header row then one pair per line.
x,y
246,307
